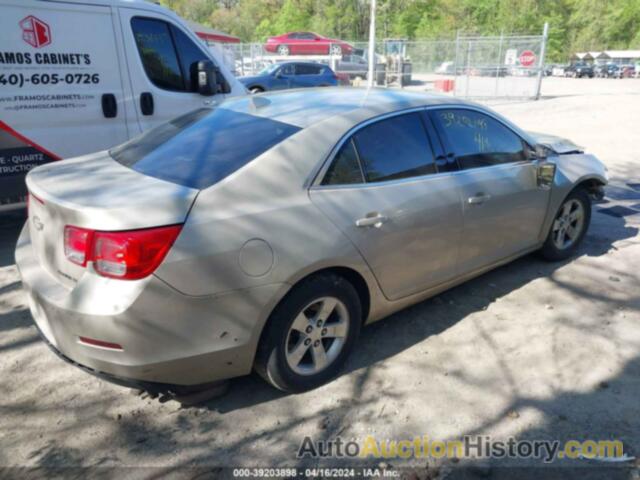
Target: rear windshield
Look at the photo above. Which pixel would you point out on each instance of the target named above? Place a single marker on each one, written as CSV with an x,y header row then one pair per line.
x,y
202,147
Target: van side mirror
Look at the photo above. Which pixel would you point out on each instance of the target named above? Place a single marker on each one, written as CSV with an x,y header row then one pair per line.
x,y
207,78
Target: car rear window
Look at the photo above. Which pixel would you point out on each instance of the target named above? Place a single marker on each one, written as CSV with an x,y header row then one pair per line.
x,y
202,147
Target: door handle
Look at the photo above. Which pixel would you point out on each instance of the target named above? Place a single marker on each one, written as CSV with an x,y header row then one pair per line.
x,y
478,199
371,220
146,103
109,105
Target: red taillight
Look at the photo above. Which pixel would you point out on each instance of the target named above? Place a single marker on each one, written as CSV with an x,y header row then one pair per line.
x,y
77,244
127,255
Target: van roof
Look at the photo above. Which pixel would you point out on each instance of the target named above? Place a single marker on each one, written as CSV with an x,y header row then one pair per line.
x,y
143,4
305,107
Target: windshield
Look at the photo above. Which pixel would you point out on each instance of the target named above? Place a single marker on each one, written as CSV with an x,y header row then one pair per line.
x,y
202,147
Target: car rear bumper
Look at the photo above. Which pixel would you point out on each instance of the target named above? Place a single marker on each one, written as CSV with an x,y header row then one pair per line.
x,y
168,339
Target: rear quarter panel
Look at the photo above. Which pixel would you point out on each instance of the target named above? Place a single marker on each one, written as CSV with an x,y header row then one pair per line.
x,y
258,226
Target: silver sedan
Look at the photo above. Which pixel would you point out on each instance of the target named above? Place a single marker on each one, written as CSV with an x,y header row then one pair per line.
x,y
264,232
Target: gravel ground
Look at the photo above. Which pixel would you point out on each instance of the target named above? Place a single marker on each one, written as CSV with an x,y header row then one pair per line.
x,y
531,350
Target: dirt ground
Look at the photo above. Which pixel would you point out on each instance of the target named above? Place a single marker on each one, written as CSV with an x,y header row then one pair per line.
x,y
532,350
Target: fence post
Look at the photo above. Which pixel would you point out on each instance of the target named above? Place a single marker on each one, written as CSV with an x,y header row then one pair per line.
x,y
467,72
545,35
372,46
455,65
498,64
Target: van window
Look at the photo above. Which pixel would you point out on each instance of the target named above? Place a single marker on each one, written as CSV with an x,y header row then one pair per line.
x,y
188,54
202,147
158,53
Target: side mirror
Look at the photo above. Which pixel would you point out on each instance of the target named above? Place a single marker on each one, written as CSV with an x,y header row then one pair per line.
x,y
540,152
207,78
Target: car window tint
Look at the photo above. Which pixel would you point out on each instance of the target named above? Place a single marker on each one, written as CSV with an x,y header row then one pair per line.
x,y
345,168
287,70
293,35
158,54
394,148
189,55
478,140
307,36
306,69
202,147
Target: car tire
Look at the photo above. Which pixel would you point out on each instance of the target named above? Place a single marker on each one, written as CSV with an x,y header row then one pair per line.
x,y
255,90
283,50
286,356
559,244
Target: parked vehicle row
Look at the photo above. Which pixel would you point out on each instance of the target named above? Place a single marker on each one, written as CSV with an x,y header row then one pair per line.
x,y
613,70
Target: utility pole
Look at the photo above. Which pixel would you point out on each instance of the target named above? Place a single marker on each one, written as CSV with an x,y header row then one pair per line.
x,y
372,45
545,37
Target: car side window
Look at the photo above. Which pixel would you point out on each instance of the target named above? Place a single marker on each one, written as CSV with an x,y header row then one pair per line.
x,y
306,69
395,148
479,140
307,36
287,70
345,168
158,54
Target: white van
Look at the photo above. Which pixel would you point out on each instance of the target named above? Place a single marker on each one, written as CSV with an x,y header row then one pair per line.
x,y
79,76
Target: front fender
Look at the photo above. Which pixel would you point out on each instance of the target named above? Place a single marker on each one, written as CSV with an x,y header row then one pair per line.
x,y
571,170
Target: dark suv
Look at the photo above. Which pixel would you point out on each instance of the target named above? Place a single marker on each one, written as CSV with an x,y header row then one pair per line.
x,y
579,70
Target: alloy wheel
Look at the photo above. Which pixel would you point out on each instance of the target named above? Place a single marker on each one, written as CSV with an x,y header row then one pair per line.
x,y
568,225
317,336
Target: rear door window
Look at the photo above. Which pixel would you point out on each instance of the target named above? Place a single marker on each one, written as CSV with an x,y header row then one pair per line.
x,y
201,148
287,70
306,69
345,168
394,148
478,140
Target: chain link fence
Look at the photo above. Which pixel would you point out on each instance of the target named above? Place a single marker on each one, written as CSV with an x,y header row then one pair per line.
x,y
478,67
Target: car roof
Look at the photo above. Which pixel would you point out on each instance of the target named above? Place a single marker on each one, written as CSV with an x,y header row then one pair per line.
x,y
305,107
291,62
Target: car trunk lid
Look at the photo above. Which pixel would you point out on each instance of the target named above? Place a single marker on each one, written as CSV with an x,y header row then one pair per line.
x,y
98,193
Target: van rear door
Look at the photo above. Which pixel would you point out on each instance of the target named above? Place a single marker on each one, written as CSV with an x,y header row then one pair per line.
x,y
61,90
160,54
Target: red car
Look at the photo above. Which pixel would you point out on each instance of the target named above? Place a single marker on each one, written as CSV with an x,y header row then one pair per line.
x,y
306,43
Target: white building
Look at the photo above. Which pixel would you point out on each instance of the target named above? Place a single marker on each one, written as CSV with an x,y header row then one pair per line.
x,y
621,57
